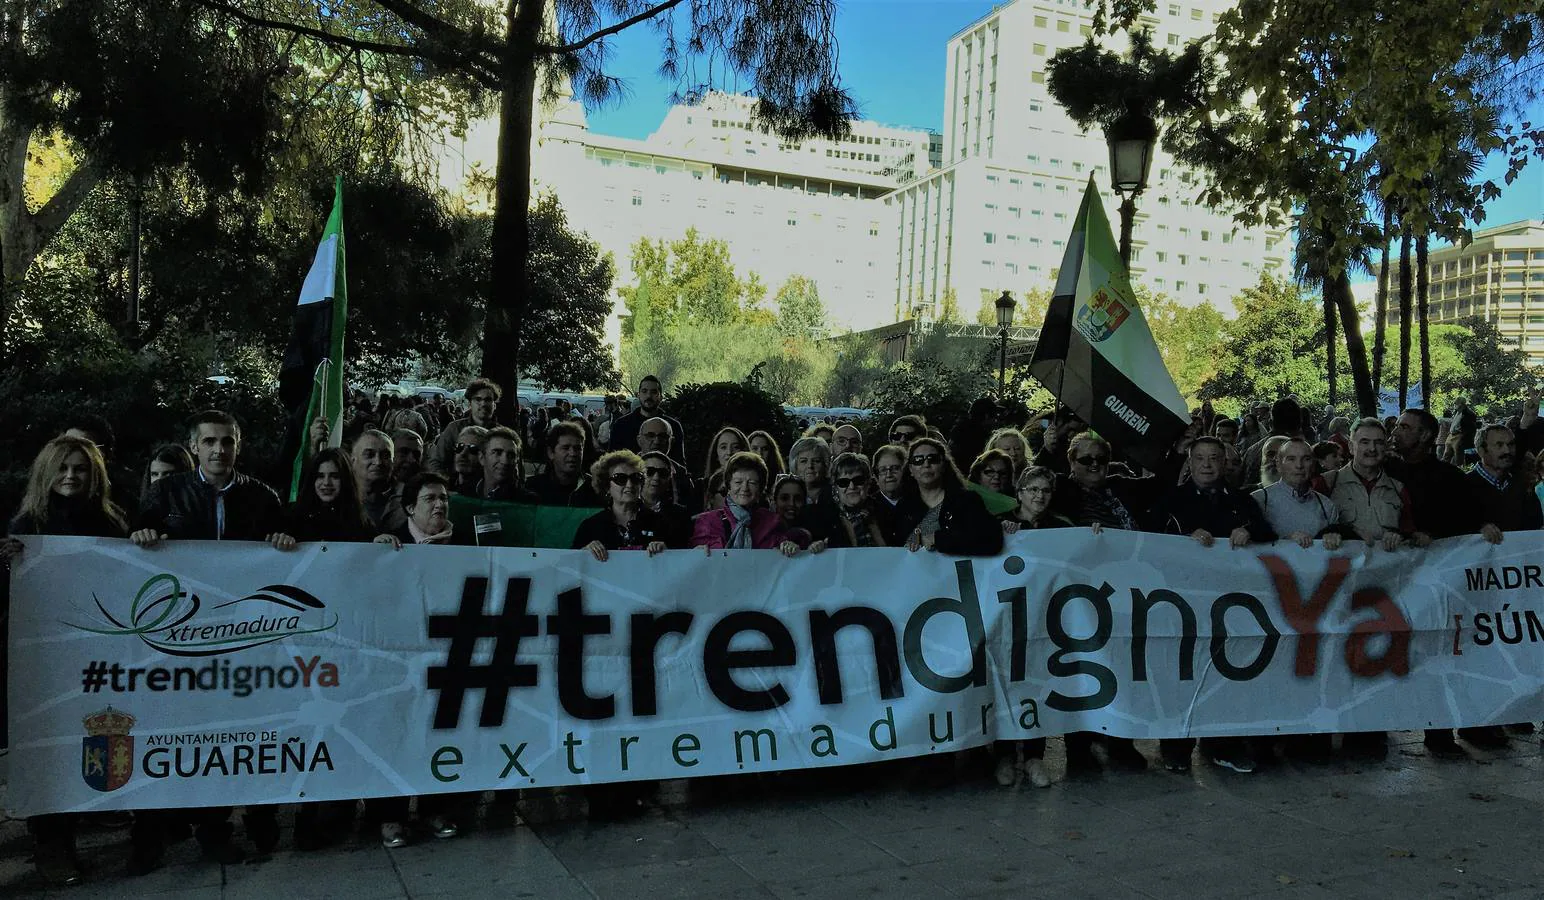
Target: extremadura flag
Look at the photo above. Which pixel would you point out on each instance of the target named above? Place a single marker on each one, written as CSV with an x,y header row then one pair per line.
x,y
311,379
1096,353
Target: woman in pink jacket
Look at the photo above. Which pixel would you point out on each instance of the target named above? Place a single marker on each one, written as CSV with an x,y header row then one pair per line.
x,y
743,522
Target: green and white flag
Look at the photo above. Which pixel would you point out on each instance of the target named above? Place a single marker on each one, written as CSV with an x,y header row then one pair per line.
x,y
311,379
1096,353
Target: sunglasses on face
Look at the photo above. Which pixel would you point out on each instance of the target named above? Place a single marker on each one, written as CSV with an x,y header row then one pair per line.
x,y
656,472
927,459
901,437
994,473
853,481
468,448
622,479
1092,462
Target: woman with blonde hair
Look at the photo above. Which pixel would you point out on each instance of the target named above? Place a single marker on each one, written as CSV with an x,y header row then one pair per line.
x,y
67,494
1012,442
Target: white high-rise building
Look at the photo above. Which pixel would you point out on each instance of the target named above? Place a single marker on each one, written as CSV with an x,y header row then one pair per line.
x,y
809,208
997,215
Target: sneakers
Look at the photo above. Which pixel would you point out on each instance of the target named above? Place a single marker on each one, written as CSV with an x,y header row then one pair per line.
x,y
393,835
443,828
1005,771
1232,754
1035,769
1440,744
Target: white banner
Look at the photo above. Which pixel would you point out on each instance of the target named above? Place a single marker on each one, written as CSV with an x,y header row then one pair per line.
x,y
213,674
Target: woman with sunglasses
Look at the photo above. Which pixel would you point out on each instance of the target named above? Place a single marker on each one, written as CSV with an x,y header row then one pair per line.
x,y
906,429
862,526
939,512
1091,496
625,523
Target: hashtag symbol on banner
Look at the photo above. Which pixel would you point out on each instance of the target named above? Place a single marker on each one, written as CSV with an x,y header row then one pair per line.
x,y
94,677
471,624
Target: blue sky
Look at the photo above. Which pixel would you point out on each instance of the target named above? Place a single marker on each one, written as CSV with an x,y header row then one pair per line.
x,y
892,60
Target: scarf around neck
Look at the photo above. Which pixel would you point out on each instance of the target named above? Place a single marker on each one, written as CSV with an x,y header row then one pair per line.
x,y
740,536
421,537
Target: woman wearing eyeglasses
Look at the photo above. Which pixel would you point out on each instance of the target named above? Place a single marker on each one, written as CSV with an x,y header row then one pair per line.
x,y
1035,488
939,512
993,470
625,524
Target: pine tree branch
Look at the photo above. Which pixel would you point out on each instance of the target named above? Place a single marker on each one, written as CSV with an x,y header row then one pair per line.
x,y
582,43
473,67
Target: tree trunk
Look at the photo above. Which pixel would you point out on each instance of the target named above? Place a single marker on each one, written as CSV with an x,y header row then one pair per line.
x,y
1405,290
1381,315
24,234
511,241
1356,347
1328,286
136,218
1423,291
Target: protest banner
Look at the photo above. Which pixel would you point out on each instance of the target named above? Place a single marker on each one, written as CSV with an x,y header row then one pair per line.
x,y
200,674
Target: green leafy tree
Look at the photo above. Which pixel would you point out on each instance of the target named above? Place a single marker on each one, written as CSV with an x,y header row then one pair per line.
x,y
1273,347
855,367
800,314
949,309
1187,337
1493,377
784,53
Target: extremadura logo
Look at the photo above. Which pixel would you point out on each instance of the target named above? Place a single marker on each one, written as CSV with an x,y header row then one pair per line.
x,y
179,623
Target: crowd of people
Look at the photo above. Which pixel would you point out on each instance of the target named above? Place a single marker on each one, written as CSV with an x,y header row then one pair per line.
x,y
1281,472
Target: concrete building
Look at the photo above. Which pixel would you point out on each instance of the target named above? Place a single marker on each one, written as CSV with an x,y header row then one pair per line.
x,y
808,208
1499,276
997,215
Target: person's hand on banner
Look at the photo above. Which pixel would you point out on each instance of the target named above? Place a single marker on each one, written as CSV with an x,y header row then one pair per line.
x,y
390,539
1332,540
1301,538
1010,526
10,548
1239,538
1491,533
1421,539
1097,528
281,541
788,548
655,548
914,542
597,550
1202,537
1391,540
147,537
817,546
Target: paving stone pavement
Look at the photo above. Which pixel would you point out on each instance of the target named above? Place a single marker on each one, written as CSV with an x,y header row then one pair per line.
x,y
1407,826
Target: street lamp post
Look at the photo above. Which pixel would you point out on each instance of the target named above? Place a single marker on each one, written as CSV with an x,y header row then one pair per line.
x,y
1132,138
1004,322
